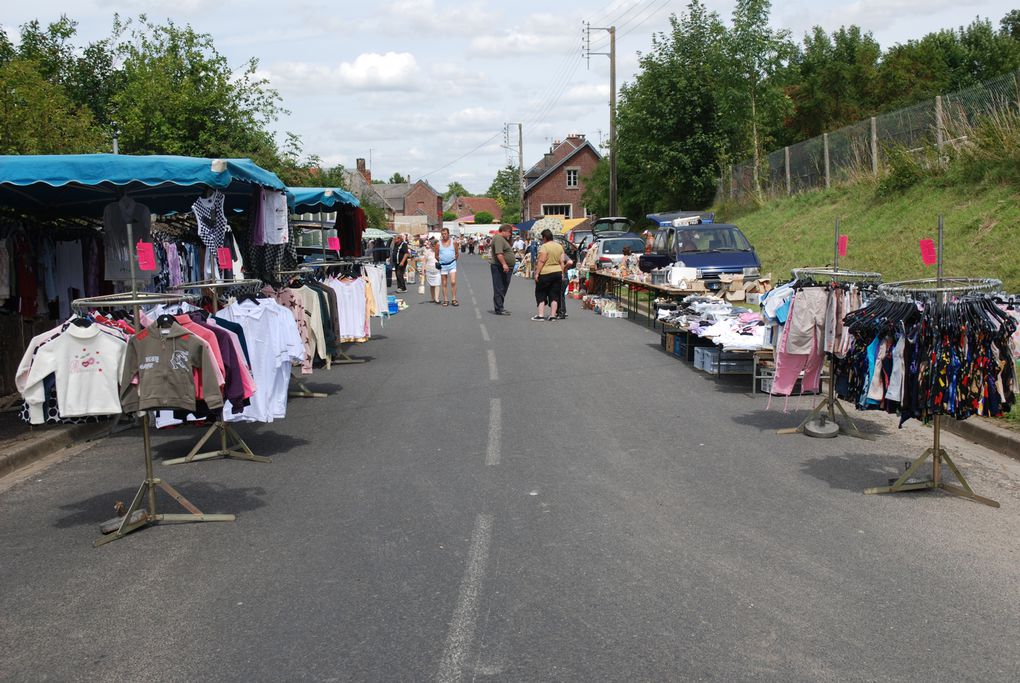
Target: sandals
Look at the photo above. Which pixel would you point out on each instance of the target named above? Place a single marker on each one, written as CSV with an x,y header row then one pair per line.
x,y
455,302
446,303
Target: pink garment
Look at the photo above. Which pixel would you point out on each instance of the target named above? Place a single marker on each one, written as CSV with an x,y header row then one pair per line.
x,y
209,339
790,365
289,299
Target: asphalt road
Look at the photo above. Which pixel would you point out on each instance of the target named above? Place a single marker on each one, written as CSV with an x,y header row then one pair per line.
x,y
491,498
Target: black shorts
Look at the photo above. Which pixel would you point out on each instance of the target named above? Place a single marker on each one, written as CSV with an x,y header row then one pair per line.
x,y
547,288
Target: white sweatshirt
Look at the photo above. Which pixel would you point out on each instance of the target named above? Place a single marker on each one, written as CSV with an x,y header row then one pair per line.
x,y
87,363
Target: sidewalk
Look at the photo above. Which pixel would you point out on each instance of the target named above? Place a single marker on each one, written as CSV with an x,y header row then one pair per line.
x,y
22,444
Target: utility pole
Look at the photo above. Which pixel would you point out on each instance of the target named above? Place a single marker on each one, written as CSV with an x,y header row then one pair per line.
x,y
612,105
520,164
520,159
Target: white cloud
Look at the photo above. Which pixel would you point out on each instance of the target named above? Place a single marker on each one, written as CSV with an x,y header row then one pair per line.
x,y
453,19
392,71
514,42
472,117
588,93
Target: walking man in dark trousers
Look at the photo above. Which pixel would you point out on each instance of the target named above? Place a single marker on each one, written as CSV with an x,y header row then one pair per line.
x,y
400,254
501,267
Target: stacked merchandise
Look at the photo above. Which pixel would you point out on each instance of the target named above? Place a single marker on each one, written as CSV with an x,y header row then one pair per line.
x,y
718,321
921,359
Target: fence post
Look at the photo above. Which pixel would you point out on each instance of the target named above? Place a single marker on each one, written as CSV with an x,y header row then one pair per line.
x,y
733,189
874,146
939,131
825,146
789,187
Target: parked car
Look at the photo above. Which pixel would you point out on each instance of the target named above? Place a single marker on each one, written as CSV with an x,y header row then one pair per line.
x,y
713,248
609,250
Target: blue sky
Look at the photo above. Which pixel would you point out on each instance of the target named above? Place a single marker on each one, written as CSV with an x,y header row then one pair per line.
x,y
424,87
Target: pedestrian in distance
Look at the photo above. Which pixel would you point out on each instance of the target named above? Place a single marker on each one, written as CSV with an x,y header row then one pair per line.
x,y
400,254
431,270
549,276
502,257
446,254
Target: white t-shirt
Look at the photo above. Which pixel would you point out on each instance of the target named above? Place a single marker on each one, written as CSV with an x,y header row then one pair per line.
x,y
274,217
518,244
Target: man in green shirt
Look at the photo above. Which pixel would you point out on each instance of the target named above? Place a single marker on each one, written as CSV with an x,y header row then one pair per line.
x,y
502,267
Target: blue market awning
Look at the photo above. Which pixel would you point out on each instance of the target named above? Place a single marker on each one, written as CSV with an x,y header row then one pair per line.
x,y
316,199
83,184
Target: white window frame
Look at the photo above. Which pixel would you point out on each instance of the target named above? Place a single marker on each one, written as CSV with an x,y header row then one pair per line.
x,y
576,170
547,210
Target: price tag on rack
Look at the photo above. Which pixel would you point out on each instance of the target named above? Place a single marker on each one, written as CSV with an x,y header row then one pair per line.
x,y
841,245
928,254
333,243
146,252
226,261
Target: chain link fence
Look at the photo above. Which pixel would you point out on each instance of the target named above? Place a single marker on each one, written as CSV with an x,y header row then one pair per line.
x,y
860,148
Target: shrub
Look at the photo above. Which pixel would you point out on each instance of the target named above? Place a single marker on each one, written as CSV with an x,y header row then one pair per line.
x,y
902,171
483,218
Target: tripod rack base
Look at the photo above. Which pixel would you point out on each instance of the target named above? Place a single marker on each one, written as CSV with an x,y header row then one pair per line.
x,y
830,405
904,484
238,450
136,517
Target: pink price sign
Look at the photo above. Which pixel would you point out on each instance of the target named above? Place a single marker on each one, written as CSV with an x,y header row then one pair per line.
x,y
146,256
928,255
226,261
333,243
841,245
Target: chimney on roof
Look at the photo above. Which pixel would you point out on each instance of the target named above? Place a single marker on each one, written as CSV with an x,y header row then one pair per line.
x,y
365,173
577,138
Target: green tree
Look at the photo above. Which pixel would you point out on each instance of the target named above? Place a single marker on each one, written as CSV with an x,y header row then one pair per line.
x,y
836,81
756,99
449,216
483,218
397,178
668,147
455,189
181,96
506,190
36,117
596,189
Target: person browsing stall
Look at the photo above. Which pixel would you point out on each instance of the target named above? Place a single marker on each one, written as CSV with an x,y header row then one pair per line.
x,y
549,276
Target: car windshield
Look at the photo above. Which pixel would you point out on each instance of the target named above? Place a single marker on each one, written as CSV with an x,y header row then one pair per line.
x,y
619,224
701,238
615,246
579,235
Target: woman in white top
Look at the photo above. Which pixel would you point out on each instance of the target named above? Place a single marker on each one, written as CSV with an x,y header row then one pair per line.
x,y
431,271
447,251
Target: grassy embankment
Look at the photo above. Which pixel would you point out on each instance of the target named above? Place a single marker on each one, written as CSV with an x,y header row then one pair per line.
x,y
982,230
976,189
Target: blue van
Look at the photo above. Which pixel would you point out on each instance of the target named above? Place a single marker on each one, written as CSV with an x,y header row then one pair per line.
x,y
713,248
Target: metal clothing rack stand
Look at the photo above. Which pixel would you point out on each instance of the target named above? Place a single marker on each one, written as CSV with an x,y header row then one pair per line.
x,y
936,289
817,421
237,448
302,390
143,512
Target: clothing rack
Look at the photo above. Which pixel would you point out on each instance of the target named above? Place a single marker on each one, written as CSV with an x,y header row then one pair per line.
x,y
237,450
341,262
938,290
302,390
817,421
143,512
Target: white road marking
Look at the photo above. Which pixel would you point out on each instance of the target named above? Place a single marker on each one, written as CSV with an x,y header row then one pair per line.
x,y
478,314
474,301
485,333
461,636
495,431
493,370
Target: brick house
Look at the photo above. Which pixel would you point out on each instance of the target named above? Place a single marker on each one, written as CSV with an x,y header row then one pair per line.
x,y
469,206
397,199
554,186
